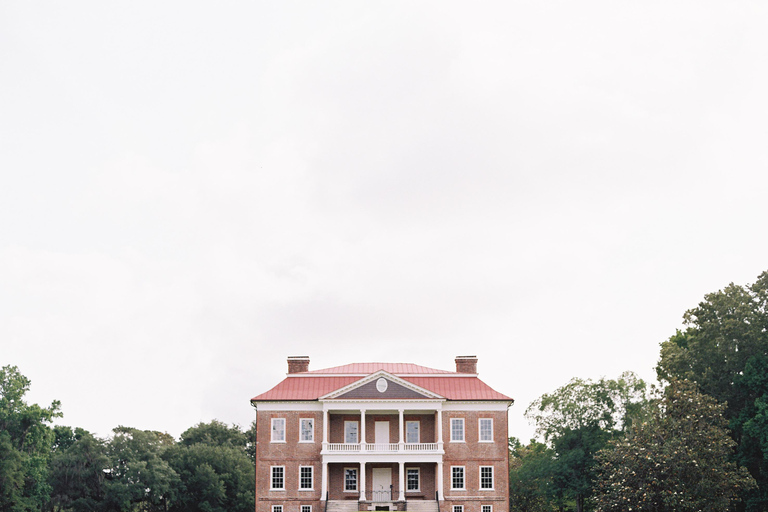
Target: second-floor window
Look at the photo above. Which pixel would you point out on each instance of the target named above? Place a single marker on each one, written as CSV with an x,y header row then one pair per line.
x,y
307,430
278,430
350,432
486,430
457,430
411,431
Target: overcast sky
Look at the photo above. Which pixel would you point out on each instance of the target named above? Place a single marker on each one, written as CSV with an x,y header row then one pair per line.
x,y
191,192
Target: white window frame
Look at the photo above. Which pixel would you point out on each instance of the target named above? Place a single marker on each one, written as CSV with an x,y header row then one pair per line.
x,y
357,431
480,430
486,508
277,508
272,478
311,478
463,430
418,431
311,430
458,508
418,480
492,487
306,508
463,478
274,438
357,479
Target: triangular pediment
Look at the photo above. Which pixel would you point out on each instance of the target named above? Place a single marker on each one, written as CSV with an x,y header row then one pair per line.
x,y
381,386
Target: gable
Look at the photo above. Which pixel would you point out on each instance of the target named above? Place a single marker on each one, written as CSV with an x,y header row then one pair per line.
x,y
373,390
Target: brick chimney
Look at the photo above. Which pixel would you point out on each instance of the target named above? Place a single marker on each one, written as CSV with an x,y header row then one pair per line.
x,y
298,364
466,364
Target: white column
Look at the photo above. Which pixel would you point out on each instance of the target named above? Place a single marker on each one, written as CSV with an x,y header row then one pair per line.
x,y
401,482
439,486
326,418
362,481
362,429
439,429
324,481
402,426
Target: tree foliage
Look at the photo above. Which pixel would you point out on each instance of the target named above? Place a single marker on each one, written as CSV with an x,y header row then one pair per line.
x,y
576,421
724,350
25,443
530,479
77,470
676,461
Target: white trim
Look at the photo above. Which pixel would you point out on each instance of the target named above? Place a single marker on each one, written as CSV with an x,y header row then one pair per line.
x,y
480,430
272,478
463,477
272,430
418,477
288,406
470,405
480,479
311,479
312,430
463,430
375,376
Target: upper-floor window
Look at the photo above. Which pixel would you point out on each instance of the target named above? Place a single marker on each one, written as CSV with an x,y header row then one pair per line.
x,y
277,508
486,477
486,430
278,478
457,477
412,432
458,508
306,430
457,429
486,508
278,430
308,508
350,432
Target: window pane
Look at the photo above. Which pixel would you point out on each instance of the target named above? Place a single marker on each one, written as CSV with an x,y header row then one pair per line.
x,y
487,508
278,429
457,477
411,431
412,479
278,480
457,429
307,432
305,477
350,479
486,429
486,477
350,432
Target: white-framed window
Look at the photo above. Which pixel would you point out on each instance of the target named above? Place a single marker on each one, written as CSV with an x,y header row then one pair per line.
x,y
305,478
350,479
307,430
278,430
412,431
485,427
457,478
486,477
277,508
486,508
278,478
457,430
306,508
411,479
458,508
350,432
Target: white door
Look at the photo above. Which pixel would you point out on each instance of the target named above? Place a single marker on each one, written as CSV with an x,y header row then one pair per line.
x,y
382,479
381,435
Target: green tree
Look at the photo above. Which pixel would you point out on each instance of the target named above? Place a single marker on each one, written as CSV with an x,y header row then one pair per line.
x,y
529,476
216,473
138,474
576,421
25,444
77,470
724,350
676,461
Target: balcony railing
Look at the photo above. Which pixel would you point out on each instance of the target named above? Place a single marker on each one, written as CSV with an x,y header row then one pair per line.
x,y
380,447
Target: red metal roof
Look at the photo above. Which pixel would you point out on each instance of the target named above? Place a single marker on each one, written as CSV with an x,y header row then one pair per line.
x,y
312,385
369,368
